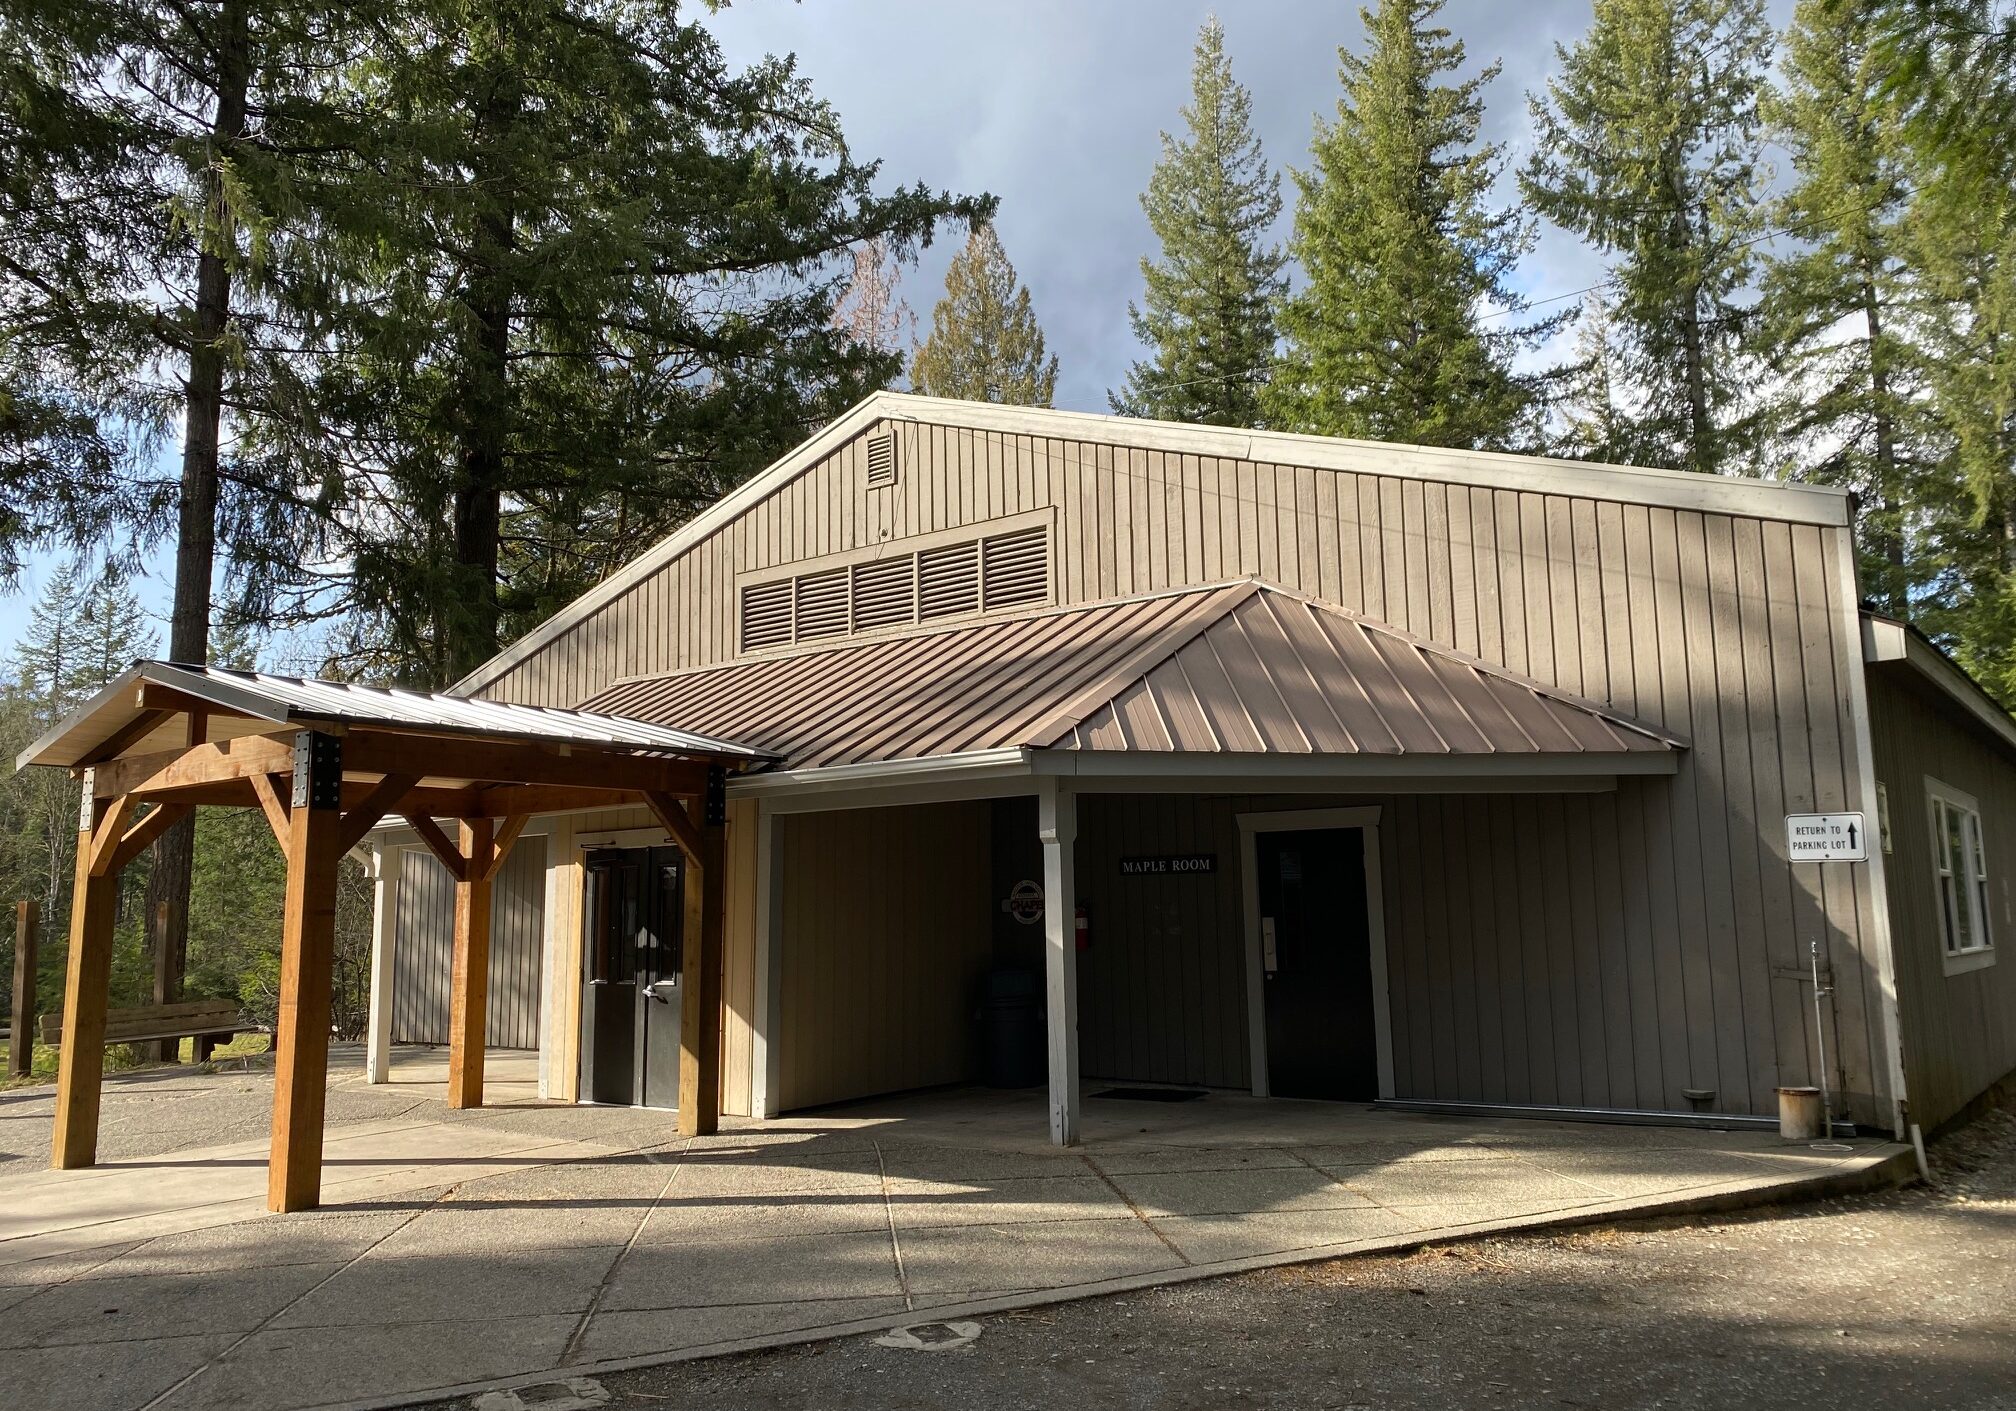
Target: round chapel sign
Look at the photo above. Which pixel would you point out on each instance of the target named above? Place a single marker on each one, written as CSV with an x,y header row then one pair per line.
x,y
1025,902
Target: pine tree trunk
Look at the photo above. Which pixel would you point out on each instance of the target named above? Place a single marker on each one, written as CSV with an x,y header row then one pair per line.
x,y
479,494
1890,537
1700,454
1693,350
167,914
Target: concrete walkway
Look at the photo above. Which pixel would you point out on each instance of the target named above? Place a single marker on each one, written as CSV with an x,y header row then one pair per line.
x,y
461,1247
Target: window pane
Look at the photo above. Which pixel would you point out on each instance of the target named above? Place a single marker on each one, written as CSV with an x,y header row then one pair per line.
x,y
1949,912
1955,847
1963,914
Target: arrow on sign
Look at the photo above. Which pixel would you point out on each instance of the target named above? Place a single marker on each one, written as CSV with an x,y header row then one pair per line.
x,y
1852,835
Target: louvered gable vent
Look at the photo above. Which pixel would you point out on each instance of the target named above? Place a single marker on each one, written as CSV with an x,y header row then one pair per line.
x,y
1015,568
882,459
885,592
822,604
948,580
988,574
766,615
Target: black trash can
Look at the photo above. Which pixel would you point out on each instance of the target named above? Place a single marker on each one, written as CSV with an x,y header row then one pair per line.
x,y
1011,1027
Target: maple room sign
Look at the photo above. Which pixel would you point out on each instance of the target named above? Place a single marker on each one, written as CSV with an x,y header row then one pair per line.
x,y
1189,864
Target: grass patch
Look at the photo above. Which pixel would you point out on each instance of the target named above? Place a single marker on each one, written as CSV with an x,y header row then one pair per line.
x,y
241,1046
120,1058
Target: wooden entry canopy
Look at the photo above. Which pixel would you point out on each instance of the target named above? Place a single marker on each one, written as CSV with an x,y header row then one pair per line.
x,y
325,761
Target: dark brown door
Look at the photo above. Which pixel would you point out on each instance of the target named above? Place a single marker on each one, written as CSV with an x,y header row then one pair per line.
x,y
1316,959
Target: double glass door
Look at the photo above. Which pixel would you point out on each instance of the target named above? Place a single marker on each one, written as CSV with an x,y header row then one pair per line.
x,y
634,914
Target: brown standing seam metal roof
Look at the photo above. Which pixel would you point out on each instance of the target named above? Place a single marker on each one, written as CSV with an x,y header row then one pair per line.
x,y
1239,668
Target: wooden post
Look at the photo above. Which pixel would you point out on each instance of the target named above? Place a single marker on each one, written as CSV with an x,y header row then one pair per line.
x,y
469,985
21,1052
700,982
386,865
86,993
307,957
1057,825
168,926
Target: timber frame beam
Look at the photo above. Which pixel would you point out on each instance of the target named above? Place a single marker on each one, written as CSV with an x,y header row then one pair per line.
x,y
473,860
463,778
322,785
322,792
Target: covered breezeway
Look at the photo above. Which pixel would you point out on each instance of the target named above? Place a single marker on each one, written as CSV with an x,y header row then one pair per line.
x,y
1194,771
1458,983
325,761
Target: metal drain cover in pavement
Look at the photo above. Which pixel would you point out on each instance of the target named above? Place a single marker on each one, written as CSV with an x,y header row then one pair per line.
x,y
569,1394
930,1337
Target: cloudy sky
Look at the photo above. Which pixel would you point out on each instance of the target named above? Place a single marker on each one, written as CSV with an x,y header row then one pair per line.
x,y
1056,107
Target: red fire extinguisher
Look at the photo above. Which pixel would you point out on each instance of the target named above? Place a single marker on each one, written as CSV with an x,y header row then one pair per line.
x,y
1084,929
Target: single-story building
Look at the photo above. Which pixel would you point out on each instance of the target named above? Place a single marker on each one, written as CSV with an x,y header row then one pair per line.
x,y
1280,764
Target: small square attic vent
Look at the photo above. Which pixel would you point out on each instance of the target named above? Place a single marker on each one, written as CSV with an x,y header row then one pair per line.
x,y
882,459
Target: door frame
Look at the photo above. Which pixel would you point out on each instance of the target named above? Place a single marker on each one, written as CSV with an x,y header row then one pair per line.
x,y
1365,818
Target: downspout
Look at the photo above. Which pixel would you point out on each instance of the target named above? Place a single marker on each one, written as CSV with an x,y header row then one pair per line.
x,y
1878,940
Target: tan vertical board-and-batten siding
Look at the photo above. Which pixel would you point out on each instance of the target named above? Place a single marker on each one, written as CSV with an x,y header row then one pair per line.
x,y
566,900
886,932
1517,970
422,956
738,961
1728,630
1959,1035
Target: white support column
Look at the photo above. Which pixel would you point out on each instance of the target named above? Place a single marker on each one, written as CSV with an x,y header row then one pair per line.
x,y
766,1044
1057,826
386,864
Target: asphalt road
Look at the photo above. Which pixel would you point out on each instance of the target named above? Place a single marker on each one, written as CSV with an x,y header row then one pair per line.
x,y
1900,1300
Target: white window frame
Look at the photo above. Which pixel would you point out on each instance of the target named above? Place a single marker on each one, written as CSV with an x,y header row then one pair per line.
x,y
1966,879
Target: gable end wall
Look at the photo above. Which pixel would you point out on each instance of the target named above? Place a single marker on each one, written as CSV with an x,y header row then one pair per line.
x,y
1730,630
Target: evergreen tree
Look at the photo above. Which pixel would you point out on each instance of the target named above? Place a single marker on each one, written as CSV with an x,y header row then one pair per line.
x,y
1402,249
48,660
82,632
1832,325
872,312
115,634
985,345
1209,318
1952,70
581,282
1595,419
152,154
1648,144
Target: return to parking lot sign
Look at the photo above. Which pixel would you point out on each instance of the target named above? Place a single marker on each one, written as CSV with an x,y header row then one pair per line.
x,y
1826,837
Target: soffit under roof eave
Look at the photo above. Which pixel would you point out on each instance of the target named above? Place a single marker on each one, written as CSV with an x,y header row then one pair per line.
x,y
1888,642
1349,768
1142,764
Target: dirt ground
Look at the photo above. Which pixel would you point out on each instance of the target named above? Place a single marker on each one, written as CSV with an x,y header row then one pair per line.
x,y
1900,1300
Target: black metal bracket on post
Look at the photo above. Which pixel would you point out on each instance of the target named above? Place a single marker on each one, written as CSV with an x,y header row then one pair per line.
x,y
715,812
318,770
